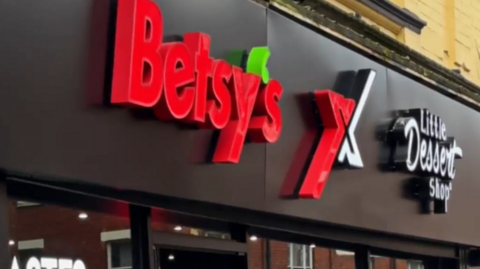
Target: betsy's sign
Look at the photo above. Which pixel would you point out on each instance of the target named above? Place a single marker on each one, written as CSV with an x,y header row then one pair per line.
x,y
180,81
419,145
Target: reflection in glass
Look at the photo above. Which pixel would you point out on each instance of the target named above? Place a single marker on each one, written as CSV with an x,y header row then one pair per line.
x,y
120,255
160,226
45,235
299,256
380,262
412,264
102,241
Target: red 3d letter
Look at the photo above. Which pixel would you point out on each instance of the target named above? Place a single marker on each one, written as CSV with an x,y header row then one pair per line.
x,y
179,92
199,46
266,123
219,104
138,67
335,111
232,137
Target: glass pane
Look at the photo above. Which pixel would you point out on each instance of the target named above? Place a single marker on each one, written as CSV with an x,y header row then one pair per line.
x,y
415,264
121,254
289,255
24,255
296,255
379,262
308,256
340,259
74,238
160,225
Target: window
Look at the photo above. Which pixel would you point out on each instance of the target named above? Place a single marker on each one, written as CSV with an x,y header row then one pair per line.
x,y
29,248
158,224
300,256
24,255
286,255
380,262
48,233
119,255
415,264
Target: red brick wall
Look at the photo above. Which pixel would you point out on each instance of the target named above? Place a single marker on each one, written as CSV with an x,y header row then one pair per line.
x,y
278,255
65,235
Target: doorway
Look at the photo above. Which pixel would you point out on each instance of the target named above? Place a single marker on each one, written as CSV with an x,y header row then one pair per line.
x,y
181,251
173,258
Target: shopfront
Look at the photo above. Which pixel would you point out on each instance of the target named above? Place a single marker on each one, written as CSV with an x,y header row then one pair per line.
x,y
243,139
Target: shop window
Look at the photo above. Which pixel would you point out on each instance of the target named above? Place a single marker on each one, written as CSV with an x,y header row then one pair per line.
x,y
120,255
300,256
217,235
180,243
379,262
24,255
339,259
161,226
293,255
53,235
415,264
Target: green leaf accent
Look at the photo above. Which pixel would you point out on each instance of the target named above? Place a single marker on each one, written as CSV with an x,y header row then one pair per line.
x,y
257,63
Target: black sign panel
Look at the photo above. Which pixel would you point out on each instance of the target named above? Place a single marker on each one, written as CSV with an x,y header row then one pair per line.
x,y
54,62
419,145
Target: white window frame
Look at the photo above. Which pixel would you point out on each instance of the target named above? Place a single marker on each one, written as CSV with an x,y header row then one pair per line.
x,y
344,253
26,204
31,244
305,248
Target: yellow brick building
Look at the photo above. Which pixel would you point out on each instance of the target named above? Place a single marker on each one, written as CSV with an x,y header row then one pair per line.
x,y
450,37
437,40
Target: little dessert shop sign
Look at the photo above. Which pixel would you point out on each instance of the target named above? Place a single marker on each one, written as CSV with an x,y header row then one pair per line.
x,y
419,145
181,82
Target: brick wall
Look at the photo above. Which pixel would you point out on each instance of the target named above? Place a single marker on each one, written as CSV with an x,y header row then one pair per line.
x,y
65,235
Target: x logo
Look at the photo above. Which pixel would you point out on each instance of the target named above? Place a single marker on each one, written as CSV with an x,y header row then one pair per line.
x,y
339,114
361,87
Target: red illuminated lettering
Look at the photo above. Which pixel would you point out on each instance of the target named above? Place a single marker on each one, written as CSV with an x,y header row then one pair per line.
x,y
199,45
219,105
232,137
266,123
138,68
182,82
178,77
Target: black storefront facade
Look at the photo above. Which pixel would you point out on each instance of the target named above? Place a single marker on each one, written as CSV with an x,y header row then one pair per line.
x,y
66,145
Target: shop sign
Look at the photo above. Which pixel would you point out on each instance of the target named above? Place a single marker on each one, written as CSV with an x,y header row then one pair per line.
x,y
338,114
49,263
419,145
180,81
